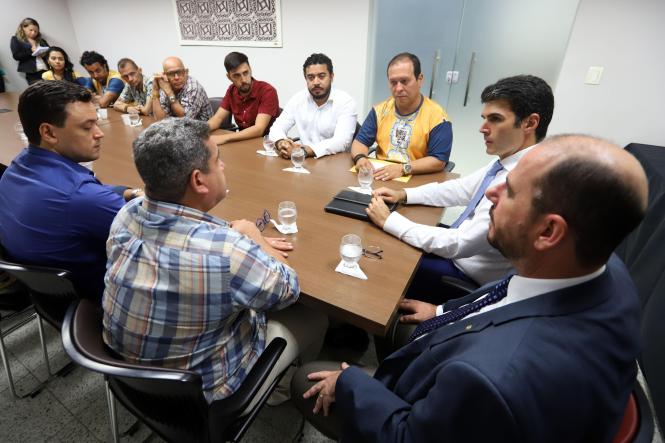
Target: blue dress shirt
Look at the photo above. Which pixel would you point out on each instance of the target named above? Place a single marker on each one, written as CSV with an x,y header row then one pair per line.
x,y
54,212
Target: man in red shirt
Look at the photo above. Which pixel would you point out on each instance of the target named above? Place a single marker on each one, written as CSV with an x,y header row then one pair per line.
x,y
253,103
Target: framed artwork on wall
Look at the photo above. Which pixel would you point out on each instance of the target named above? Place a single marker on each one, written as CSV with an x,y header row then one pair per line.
x,y
229,22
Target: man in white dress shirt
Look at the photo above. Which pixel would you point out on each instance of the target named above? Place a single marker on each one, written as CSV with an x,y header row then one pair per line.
x,y
325,118
516,113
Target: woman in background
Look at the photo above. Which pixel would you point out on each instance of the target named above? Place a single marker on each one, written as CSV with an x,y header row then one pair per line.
x,y
60,68
26,41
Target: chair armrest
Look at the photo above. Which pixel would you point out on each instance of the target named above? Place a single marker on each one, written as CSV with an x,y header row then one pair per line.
x,y
459,286
256,378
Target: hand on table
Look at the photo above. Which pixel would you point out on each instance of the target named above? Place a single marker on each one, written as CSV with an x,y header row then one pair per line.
x,y
220,139
377,211
285,147
419,311
324,389
281,244
390,195
388,172
247,228
364,162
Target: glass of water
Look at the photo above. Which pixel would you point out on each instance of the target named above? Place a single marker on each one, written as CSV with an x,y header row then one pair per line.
x,y
268,145
365,178
287,215
298,157
351,248
18,128
134,118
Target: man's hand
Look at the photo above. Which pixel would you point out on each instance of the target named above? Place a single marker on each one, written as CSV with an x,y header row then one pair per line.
x,y
419,311
247,228
220,139
161,82
390,195
388,172
364,162
324,389
281,244
285,147
378,211
133,110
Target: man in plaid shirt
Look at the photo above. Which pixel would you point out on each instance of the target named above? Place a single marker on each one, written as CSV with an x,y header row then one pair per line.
x,y
176,94
187,290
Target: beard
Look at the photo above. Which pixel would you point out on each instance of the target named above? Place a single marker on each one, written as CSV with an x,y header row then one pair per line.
x,y
321,93
499,240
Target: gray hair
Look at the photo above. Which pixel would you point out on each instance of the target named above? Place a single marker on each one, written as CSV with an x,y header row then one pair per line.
x,y
167,152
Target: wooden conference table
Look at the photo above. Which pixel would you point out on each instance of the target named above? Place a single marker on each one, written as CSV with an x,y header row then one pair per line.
x,y
257,183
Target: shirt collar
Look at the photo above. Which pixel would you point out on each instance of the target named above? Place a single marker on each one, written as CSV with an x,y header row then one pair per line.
x,y
43,152
177,210
522,288
331,98
510,161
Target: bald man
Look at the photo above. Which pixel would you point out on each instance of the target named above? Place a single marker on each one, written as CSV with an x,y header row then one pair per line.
x,y
176,94
546,355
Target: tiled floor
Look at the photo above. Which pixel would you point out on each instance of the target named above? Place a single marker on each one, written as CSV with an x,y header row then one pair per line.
x,y
73,408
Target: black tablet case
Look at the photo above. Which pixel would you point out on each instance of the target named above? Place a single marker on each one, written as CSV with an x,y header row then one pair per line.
x,y
352,204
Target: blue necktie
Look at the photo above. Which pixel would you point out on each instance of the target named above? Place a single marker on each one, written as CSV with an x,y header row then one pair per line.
x,y
471,207
497,293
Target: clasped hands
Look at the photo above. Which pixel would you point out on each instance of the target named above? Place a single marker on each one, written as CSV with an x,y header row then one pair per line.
x,y
286,145
377,210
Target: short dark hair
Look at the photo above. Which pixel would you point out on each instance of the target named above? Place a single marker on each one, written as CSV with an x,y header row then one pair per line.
x,y
415,61
526,95
167,152
234,59
126,61
45,102
318,59
92,57
567,188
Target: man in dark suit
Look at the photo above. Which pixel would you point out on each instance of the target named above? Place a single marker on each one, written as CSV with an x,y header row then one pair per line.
x,y
547,355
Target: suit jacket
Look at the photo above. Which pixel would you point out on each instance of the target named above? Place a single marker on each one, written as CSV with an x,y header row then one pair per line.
x,y
22,52
556,367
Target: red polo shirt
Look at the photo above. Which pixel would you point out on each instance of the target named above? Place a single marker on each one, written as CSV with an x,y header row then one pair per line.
x,y
262,99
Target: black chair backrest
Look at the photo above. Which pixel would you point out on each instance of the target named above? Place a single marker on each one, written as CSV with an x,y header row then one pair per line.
x,y
50,289
642,252
228,122
169,401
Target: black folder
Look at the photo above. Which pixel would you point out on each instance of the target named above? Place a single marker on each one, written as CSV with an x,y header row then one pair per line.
x,y
352,204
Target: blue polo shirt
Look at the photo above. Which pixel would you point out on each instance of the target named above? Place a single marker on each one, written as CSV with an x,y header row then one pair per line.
x,y
54,212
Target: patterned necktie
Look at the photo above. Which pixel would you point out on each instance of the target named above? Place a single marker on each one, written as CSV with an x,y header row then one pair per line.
x,y
497,293
471,207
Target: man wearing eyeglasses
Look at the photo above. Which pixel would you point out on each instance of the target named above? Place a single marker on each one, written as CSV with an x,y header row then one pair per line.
x,y
191,291
176,94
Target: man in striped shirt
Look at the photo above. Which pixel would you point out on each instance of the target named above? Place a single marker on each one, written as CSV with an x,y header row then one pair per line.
x,y
187,290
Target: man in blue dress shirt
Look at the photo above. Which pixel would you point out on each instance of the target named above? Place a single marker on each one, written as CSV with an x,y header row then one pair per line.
x,y
53,211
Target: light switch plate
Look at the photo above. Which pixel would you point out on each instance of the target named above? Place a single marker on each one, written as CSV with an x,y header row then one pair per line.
x,y
593,75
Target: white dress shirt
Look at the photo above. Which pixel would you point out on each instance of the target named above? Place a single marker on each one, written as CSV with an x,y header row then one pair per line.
x,y
327,129
466,245
523,288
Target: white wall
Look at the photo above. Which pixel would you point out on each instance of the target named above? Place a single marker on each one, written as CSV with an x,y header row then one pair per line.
x,y
55,25
627,39
146,32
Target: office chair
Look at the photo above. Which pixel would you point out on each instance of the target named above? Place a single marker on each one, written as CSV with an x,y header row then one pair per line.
x,y
169,401
15,299
227,124
50,292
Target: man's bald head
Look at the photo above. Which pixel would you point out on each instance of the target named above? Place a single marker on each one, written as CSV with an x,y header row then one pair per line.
x,y
597,187
172,63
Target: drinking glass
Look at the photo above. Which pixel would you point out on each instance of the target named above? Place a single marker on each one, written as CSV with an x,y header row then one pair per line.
x,y
365,177
287,215
102,113
298,157
18,128
351,248
268,145
134,119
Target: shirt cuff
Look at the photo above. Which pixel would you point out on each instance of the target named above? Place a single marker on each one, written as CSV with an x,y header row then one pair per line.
x,y
396,224
414,196
439,310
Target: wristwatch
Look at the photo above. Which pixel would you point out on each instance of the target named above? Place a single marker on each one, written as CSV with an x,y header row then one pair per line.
x,y
172,98
406,168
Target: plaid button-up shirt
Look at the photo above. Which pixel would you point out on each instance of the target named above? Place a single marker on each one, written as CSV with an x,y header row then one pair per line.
x,y
193,99
184,290
133,95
